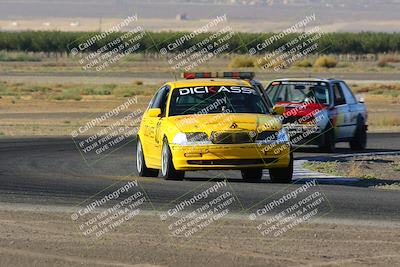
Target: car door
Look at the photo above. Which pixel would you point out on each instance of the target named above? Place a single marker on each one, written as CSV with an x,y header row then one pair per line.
x,y
342,109
352,104
152,142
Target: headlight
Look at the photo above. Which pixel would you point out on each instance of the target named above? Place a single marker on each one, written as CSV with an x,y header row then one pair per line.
x,y
179,139
282,136
191,138
197,137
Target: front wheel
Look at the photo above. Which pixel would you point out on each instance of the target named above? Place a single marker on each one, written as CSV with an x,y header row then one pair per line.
x,y
141,163
282,175
252,175
168,171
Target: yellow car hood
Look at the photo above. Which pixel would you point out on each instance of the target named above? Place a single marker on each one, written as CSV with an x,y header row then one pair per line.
x,y
225,122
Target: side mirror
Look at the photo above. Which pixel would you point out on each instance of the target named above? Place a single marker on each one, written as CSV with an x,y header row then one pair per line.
x,y
154,112
361,100
279,109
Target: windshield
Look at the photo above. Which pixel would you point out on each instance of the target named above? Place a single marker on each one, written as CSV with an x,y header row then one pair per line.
x,y
298,91
216,99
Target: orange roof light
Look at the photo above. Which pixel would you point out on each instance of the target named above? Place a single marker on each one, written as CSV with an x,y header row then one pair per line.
x,y
195,75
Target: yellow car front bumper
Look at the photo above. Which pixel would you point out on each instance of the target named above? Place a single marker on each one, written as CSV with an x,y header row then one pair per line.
x,y
230,156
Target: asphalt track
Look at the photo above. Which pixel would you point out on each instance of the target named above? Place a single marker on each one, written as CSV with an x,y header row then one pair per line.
x,y
51,171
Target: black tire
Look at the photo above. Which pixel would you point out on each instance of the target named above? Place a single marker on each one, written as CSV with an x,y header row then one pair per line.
x,y
168,171
252,175
329,142
141,163
359,140
282,175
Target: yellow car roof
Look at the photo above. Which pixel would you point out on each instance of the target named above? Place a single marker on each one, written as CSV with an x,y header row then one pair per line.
x,y
212,81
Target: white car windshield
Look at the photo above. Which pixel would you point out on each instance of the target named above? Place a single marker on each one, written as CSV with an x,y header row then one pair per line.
x,y
296,91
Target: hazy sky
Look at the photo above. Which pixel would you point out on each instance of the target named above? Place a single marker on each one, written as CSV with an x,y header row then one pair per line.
x,y
377,9
349,15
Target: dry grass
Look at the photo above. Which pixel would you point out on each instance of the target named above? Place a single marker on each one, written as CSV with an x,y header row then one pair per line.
x,y
242,61
352,169
386,168
383,112
394,186
358,169
378,89
383,105
384,59
155,63
28,116
326,62
380,121
272,63
74,91
304,63
328,167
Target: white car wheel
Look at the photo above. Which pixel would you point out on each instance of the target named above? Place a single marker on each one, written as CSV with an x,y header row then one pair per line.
x,y
141,163
164,160
139,157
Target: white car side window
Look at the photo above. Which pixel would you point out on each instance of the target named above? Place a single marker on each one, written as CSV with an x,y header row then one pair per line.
x,y
338,95
348,95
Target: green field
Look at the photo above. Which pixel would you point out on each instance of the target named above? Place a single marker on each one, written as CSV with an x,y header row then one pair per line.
x,y
63,42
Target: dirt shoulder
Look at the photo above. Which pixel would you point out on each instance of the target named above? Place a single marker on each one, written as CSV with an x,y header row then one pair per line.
x,y
378,171
48,238
32,117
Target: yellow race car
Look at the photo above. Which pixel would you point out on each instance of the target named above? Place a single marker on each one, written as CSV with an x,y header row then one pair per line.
x,y
213,122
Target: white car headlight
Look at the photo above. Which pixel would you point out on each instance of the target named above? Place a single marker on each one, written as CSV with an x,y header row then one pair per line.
x,y
179,139
282,136
191,138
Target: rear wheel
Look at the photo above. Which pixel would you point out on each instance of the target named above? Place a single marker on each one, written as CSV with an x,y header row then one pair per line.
x,y
168,171
359,140
141,163
252,175
282,175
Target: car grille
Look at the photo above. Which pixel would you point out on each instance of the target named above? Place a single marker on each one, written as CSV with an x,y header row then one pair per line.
x,y
232,137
